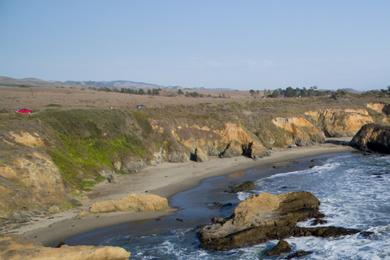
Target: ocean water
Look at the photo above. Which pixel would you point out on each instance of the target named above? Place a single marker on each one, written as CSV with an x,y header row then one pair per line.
x,y
354,191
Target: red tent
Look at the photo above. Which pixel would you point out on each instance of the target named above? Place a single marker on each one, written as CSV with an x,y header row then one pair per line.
x,y
24,111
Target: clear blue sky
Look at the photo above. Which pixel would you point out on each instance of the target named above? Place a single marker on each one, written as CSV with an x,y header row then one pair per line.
x,y
219,43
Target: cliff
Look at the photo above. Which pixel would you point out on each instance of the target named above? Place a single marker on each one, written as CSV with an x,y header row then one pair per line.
x,y
50,159
340,122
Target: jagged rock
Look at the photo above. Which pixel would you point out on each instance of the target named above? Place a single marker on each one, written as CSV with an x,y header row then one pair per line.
x,y
14,249
245,186
265,217
132,202
281,247
373,138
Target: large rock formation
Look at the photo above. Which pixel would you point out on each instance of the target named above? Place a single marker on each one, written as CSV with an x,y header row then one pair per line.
x,y
374,138
14,249
340,122
132,202
264,217
302,131
231,140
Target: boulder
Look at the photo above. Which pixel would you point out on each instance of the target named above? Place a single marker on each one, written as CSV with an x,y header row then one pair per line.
x,y
132,202
280,248
14,249
372,138
266,217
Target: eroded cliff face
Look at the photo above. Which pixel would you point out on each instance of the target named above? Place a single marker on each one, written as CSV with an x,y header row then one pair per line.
x,y
340,122
301,131
29,180
225,142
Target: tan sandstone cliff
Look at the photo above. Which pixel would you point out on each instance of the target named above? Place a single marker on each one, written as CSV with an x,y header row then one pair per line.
x,y
340,122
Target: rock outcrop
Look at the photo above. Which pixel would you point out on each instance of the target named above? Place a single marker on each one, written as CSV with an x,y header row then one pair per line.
x,y
373,138
302,131
264,217
282,247
13,249
132,202
340,122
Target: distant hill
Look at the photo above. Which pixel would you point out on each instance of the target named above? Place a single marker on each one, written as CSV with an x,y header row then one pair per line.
x,y
114,84
35,82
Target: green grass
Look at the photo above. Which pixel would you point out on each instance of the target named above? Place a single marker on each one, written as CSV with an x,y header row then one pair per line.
x,y
88,141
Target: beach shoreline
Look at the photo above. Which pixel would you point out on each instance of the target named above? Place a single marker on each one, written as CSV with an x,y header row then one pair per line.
x,y
165,180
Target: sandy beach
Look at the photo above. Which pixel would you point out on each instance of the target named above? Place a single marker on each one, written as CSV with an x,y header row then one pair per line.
x,y
166,180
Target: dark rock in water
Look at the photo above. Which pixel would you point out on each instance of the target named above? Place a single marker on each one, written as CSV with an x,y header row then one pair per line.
x,y
245,186
318,221
266,217
179,220
218,220
366,234
298,253
218,205
227,205
328,231
372,138
281,247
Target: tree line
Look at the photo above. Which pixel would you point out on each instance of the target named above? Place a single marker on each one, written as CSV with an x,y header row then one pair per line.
x,y
296,92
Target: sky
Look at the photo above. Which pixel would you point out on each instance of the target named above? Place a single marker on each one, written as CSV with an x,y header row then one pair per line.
x,y
200,43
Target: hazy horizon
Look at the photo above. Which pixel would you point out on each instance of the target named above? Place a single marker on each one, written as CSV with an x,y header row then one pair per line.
x,y
219,44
